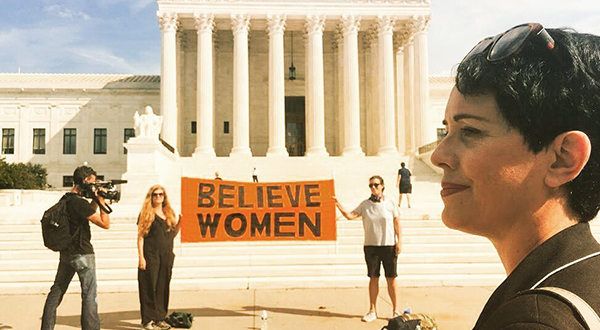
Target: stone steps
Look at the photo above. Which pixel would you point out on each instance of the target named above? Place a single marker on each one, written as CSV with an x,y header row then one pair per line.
x,y
130,233
275,271
432,255
130,242
233,250
260,260
196,284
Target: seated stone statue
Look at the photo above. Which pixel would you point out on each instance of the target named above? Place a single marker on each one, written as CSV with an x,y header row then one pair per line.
x,y
148,124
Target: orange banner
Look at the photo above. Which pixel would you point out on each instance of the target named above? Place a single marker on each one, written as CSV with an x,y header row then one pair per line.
x,y
217,210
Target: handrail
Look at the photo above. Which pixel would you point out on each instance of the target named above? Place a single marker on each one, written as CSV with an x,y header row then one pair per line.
x,y
167,145
428,147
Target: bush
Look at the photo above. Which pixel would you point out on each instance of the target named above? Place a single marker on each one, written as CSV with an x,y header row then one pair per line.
x,y
22,176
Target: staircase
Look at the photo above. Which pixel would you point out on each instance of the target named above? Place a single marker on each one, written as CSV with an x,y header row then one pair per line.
x,y
432,255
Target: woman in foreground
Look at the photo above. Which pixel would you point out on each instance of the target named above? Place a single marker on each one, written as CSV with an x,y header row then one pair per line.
x,y
521,164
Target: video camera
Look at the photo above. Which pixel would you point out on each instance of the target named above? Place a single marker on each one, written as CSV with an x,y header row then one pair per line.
x,y
110,191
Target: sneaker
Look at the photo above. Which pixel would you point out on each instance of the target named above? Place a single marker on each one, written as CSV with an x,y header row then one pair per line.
x,y
162,325
370,316
148,326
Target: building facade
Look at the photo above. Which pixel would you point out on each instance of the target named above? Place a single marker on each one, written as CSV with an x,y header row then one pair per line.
x,y
295,78
309,85
64,120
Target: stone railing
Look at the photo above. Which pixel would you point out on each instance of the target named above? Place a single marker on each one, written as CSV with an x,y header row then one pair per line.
x,y
18,197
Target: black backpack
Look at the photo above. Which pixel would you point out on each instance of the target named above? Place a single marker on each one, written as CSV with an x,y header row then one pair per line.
x,y
398,323
408,321
180,320
56,228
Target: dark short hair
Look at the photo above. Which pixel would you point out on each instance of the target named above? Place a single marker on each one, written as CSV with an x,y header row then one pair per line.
x,y
402,164
543,94
377,177
81,173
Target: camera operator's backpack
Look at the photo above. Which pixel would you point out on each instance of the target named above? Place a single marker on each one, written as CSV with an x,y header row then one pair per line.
x,y
56,227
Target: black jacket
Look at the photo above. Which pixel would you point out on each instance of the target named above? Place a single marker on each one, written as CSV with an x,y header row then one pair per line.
x,y
507,311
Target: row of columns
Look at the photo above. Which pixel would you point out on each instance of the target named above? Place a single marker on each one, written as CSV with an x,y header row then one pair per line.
x,y
315,109
413,85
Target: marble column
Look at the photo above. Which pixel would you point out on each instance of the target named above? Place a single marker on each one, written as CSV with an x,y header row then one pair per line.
x,y
387,125
373,92
168,78
315,107
339,61
182,45
240,25
204,92
400,110
350,26
427,133
275,29
409,90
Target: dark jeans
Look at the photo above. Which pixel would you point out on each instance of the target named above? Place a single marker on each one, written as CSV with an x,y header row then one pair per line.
x,y
85,267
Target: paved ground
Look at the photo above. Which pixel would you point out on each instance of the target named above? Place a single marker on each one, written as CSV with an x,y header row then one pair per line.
x,y
455,308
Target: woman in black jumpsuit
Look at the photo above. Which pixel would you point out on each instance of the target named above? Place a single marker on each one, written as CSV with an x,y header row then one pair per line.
x,y
156,231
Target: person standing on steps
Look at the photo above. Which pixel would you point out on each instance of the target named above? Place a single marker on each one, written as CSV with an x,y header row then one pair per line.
x,y
383,242
404,184
157,228
255,175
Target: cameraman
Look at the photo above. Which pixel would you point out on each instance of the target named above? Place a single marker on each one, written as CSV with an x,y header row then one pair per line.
x,y
79,258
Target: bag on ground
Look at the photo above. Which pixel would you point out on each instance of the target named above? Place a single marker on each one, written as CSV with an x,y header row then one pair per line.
x,y
409,321
398,323
180,320
56,228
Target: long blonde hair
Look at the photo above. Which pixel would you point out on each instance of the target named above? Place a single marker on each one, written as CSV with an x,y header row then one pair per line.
x,y
147,213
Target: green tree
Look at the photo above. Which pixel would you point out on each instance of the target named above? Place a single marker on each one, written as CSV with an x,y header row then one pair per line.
x,y
22,176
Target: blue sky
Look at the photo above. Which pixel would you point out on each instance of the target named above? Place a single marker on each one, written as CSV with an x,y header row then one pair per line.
x,y
122,36
79,36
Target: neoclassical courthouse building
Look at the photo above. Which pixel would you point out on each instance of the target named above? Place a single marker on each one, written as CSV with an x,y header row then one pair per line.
x,y
298,89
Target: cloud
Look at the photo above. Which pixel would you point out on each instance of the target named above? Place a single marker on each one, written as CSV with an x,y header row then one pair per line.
x,y
135,6
138,5
104,60
97,56
64,12
34,49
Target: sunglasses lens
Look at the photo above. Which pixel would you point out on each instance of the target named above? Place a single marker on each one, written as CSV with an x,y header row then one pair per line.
x,y
509,43
480,47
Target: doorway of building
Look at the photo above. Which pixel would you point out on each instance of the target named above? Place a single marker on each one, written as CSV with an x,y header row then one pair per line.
x,y
295,125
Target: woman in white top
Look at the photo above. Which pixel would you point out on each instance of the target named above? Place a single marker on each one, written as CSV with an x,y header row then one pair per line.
x,y
381,222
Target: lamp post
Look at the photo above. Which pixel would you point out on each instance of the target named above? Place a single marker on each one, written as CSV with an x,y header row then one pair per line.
x,y
292,72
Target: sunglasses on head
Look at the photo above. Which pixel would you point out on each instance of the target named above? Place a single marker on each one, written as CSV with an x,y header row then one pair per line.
x,y
511,42
371,185
157,194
